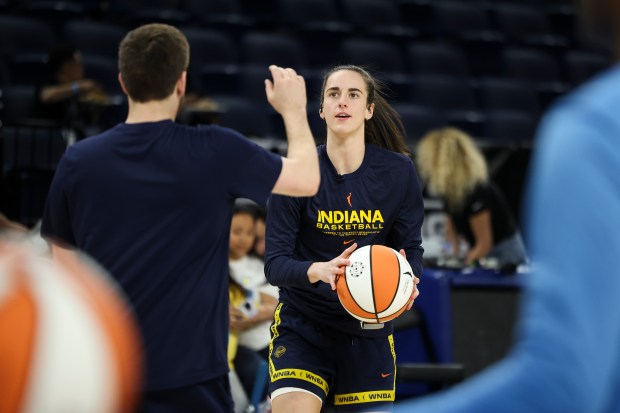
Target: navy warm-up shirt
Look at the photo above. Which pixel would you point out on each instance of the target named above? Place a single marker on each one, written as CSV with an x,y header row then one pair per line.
x,y
152,203
379,203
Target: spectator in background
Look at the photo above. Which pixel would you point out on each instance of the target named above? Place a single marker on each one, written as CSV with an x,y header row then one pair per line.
x,y
259,227
251,324
567,355
456,171
65,96
237,299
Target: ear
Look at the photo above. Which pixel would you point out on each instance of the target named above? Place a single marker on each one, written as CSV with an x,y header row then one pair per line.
x,y
120,80
181,84
321,114
371,111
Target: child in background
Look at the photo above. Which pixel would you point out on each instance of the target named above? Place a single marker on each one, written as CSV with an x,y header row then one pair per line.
x,y
259,230
236,297
251,323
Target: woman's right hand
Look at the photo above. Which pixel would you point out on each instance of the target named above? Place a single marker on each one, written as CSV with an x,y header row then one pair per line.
x,y
329,272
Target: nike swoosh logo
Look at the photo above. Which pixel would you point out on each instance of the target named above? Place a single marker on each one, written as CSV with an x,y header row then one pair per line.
x,y
384,375
348,242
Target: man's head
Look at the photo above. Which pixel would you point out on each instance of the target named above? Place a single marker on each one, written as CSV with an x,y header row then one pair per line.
x,y
151,60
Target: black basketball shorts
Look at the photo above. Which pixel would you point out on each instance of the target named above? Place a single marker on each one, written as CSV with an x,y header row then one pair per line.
x,y
351,372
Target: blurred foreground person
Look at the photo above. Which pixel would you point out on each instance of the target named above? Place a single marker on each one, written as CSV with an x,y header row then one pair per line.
x,y
567,355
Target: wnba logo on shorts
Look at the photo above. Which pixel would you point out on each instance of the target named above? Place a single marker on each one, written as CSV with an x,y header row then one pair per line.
x,y
280,351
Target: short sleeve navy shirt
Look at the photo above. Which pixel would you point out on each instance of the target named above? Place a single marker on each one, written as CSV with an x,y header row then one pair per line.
x,y
152,203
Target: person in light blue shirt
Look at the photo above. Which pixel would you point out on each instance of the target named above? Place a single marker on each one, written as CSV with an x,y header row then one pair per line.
x,y
567,354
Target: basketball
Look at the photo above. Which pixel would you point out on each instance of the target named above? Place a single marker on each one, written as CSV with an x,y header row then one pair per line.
x,y
378,284
67,339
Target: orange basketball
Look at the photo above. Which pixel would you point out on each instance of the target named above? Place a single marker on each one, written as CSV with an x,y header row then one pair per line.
x,y
377,286
67,339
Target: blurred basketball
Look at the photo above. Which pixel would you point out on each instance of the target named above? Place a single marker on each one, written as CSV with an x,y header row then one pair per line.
x,y
378,284
68,342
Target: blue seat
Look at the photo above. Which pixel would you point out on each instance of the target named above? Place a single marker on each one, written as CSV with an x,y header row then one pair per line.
x,y
214,61
264,49
29,156
27,68
94,38
437,59
245,116
314,23
18,104
224,15
509,127
4,73
418,120
471,28
377,55
24,35
527,25
539,68
31,147
508,94
533,65
453,97
581,66
377,18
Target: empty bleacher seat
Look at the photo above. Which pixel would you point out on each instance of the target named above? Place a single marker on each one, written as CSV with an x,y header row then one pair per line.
x,y
18,104
418,120
508,94
452,97
28,68
94,38
470,27
581,66
437,59
24,35
539,68
509,127
264,49
377,17
527,25
214,61
224,15
314,23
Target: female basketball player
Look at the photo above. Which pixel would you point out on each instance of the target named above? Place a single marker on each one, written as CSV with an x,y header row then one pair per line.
x,y
369,194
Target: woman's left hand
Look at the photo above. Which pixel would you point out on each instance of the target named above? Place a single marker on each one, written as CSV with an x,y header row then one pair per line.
x,y
416,281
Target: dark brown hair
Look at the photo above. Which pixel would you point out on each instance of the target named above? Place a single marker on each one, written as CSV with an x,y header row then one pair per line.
x,y
384,128
151,60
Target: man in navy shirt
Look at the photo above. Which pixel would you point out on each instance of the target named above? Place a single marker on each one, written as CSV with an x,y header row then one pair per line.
x,y
151,201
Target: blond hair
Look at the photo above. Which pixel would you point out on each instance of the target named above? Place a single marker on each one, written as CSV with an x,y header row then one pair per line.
x,y
451,164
